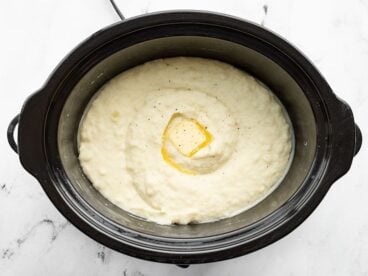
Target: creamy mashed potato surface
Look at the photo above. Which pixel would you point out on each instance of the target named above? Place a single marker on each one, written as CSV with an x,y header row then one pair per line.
x,y
183,140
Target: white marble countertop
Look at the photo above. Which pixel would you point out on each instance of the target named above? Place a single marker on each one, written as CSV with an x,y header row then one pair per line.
x,y
36,240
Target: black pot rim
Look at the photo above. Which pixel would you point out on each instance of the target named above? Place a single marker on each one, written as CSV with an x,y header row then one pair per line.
x,y
334,160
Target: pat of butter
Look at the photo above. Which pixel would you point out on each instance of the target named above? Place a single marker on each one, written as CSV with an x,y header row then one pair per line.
x,y
187,135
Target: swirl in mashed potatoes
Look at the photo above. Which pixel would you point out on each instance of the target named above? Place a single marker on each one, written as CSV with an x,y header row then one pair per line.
x,y
183,140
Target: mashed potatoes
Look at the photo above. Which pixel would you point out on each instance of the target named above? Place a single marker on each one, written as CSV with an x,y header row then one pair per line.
x,y
183,140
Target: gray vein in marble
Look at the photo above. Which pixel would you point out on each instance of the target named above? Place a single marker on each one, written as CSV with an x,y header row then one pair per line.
x,y
134,273
101,254
5,188
137,273
146,9
265,10
55,231
7,253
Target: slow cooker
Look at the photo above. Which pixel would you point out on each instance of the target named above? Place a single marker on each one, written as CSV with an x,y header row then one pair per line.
x,y
326,136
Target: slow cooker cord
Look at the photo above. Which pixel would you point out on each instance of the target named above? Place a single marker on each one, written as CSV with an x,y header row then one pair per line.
x,y
117,10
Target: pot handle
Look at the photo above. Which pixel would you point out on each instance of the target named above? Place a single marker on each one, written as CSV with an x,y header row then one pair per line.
x,y
10,133
346,140
358,139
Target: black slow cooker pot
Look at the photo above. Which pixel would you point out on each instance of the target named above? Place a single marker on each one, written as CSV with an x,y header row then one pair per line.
x,y
326,136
